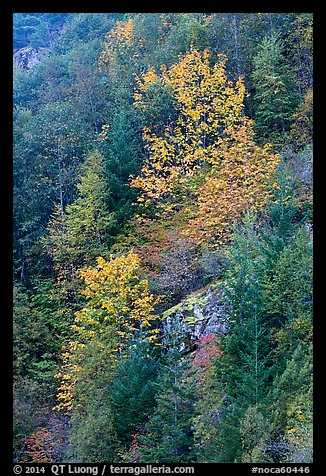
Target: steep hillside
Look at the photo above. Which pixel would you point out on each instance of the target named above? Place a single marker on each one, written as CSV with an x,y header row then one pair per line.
x,y
163,237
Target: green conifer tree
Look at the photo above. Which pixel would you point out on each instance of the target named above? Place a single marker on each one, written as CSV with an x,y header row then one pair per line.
x,y
275,89
244,368
168,436
88,218
132,393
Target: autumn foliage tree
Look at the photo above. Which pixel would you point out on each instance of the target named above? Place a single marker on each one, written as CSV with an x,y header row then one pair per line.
x,y
47,444
239,180
207,102
119,306
120,56
118,297
118,38
204,167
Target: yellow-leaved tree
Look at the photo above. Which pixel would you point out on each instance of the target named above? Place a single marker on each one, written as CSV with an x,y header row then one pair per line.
x,y
119,308
120,51
207,103
118,38
204,168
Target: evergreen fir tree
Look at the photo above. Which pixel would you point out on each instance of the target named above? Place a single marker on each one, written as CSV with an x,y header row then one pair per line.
x,y
168,435
132,393
245,366
275,89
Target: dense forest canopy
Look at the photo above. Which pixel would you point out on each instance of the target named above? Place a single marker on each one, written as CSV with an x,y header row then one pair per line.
x,y
163,237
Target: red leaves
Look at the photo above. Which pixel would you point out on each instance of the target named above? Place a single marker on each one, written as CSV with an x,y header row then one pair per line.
x,y
46,445
41,446
206,354
207,350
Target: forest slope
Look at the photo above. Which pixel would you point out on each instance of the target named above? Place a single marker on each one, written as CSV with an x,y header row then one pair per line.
x,y
163,237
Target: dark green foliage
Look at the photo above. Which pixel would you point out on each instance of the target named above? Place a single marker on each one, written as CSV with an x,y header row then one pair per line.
x,y
168,434
31,195
33,342
132,394
286,247
247,345
113,400
282,209
268,286
50,298
289,292
31,410
85,27
47,155
93,437
245,367
122,159
185,29
243,286
36,346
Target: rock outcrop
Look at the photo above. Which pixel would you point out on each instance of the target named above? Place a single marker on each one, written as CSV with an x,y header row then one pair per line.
x,y
202,313
28,57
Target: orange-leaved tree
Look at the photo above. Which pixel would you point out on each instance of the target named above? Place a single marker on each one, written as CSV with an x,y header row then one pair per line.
x,y
239,179
118,38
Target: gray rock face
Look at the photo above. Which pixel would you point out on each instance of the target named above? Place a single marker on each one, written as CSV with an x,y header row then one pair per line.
x,y
28,57
201,314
